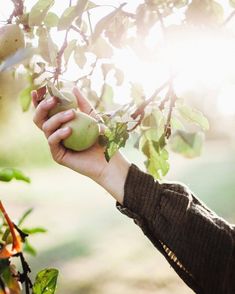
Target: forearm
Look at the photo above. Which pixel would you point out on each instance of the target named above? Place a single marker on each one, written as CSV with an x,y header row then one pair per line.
x,y
198,244
114,176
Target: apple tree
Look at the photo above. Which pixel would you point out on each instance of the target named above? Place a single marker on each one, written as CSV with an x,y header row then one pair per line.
x,y
90,36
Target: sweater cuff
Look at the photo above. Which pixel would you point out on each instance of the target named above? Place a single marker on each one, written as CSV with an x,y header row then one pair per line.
x,y
140,194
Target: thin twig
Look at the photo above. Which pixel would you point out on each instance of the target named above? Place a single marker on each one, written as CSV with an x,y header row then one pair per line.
x,y
89,74
161,22
144,104
17,11
24,278
101,96
227,20
89,20
172,97
59,56
78,30
138,123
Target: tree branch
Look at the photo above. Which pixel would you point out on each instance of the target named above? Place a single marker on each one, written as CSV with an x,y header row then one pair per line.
x,y
89,74
89,20
143,105
24,278
172,97
17,11
59,56
84,37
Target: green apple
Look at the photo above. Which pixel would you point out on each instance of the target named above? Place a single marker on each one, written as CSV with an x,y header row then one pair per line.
x,y
85,129
85,132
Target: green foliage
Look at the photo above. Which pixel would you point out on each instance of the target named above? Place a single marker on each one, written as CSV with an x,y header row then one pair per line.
x,y
104,23
39,12
157,156
115,137
187,144
162,121
24,216
51,20
232,3
46,281
160,116
193,116
8,174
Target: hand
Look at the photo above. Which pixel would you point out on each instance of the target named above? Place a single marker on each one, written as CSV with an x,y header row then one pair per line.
x,y
90,162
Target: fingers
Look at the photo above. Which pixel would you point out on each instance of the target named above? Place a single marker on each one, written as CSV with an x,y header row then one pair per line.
x,y
58,136
34,98
41,113
83,103
57,150
53,123
38,95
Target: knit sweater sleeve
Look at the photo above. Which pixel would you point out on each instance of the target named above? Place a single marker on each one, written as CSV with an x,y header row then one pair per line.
x,y
198,244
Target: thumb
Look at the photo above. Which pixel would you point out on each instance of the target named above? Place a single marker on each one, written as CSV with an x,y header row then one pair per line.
x,y
85,105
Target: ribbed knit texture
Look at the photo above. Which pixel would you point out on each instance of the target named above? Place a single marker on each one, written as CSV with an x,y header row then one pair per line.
x,y
198,244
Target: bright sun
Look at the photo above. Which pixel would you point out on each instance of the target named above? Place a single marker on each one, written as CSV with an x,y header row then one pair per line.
x,y
198,58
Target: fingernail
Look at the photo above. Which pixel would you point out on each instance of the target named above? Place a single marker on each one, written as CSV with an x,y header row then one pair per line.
x,y
68,112
64,130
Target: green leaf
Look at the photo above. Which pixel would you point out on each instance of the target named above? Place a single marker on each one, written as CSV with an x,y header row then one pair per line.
x,y
8,174
153,125
106,68
28,248
67,18
157,157
79,56
33,231
25,98
187,144
48,49
70,14
115,138
176,124
107,97
51,20
39,12
69,50
232,3
104,23
180,3
24,216
46,281
54,91
193,116
137,93
91,5
102,49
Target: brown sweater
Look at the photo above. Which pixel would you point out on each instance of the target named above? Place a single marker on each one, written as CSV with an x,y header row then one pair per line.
x,y
198,244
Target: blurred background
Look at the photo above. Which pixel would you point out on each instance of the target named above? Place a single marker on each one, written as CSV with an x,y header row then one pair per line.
x,y
95,248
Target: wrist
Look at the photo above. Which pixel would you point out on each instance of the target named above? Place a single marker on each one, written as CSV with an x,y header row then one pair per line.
x,y
114,176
